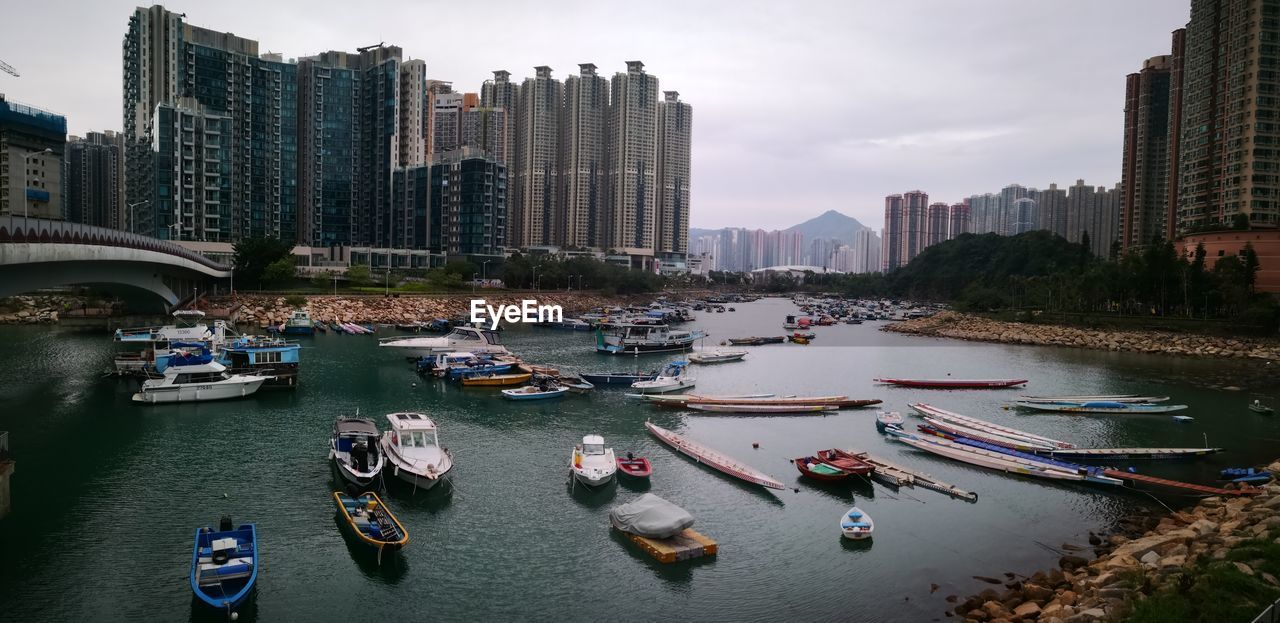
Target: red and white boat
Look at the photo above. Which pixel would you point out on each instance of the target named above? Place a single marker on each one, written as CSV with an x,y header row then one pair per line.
x,y
843,460
954,383
713,458
634,466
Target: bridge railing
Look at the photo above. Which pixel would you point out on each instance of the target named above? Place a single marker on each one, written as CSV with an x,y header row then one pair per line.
x,y
1270,615
24,229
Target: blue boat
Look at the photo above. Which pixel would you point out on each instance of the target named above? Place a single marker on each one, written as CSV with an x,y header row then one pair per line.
x,y
1247,475
183,354
274,358
224,565
484,367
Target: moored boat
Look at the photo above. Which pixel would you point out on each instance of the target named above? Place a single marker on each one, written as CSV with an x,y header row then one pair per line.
x,y
1110,397
1257,407
811,467
953,383
354,447
593,464
713,458
856,524
1100,407
888,418
224,565
628,338
299,323
717,356
840,459
542,387
208,380
983,458
413,450
983,425
634,466
673,378
818,409
371,521
274,358
496,380
468,339
618,378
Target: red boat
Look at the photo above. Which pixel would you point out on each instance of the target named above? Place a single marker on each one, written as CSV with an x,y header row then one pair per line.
x,y
635,466
816,469
954,383
843,460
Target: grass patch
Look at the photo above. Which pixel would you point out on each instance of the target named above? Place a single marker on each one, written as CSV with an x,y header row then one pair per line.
x,y
1216,592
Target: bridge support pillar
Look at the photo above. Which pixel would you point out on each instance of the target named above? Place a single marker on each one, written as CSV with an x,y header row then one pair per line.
x,y
6,470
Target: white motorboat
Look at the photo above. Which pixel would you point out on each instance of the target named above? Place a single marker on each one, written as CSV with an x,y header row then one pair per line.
x,y
717,356
354,448
592,463
629,338
197,382
468,339
413,450
673,378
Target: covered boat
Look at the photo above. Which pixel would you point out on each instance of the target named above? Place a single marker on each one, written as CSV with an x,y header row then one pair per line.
x,y
593,464
413,450
856,524
650,516
224,565
354,448
369,519
713,458
271,357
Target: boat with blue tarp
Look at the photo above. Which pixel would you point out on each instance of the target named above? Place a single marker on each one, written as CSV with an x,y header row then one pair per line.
x,y
224,565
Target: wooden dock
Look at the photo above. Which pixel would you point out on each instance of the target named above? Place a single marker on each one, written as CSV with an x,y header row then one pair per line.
x,y
1174,484
687,545
897,475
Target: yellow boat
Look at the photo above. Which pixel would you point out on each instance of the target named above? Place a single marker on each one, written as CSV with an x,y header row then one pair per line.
x,y
371,521
496,380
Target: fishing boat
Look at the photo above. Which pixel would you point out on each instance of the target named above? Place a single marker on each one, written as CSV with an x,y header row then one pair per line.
x,y
1257,407
618,378
811,467
1100,407
496,380
840,459
198,382
856,525
468,339
593,464
760,409
224,565
272,357
634,466
673,378
299,323
371,521
354,448
953,383
983,425
1109,398
624,338
413,450
790,323
888,418
717,356
713,458
541,388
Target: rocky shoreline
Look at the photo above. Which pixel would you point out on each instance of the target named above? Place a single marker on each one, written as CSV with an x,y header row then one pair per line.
x,y
1135,564
263,310
976,328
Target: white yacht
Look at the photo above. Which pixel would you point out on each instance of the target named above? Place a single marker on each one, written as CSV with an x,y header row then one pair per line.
x,y
413,451
354,448
673,378
468,339
592,463
197,382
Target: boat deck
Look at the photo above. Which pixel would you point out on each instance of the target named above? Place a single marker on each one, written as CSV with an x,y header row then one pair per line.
x,y
687,545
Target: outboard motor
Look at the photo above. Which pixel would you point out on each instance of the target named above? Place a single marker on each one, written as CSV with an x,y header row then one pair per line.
x,y
224,524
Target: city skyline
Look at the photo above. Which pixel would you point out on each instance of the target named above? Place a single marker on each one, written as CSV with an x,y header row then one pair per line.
x,y
950,146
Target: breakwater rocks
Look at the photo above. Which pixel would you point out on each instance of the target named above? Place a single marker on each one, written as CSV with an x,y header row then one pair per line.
x,y
35,309
262,310
1131,569
967,327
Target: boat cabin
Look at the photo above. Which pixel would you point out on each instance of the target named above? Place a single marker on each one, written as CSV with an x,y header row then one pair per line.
x,y
358,438
475,334
413,430
592,444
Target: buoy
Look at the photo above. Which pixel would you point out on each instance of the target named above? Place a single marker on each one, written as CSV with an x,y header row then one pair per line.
x,y
224,496
755,444
415,384
235,616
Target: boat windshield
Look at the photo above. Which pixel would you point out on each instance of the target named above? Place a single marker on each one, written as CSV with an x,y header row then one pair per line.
x,y
417,439
462,334
593,448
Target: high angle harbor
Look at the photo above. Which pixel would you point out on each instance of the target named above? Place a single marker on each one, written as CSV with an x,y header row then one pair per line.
x,y
941,311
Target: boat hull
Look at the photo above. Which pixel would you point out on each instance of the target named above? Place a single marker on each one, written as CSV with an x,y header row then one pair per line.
x,y
621,378
418,481
224,591
720,462
197,392
954,384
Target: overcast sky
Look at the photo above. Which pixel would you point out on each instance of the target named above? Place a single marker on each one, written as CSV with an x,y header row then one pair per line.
x,y
798,107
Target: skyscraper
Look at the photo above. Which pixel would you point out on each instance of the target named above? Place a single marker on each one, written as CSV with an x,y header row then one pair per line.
x,y
415,109
582,144
1080,206
327,140
936,223
1052,207
958,220
486,128
675,120
632,162
446,122
501,93
468,203
915,207
537,165
1145,161
1023,215
1228,164
891,243
866,251
91,179
1005,216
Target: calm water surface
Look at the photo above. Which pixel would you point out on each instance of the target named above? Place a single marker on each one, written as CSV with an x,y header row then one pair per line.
x,y
108,493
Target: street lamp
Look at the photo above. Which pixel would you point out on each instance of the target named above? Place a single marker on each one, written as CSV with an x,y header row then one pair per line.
x,y
535,277
473,282
485,271
26,173
133,215
386,281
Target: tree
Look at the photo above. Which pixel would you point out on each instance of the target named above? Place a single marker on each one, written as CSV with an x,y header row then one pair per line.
x,y
280,272
359,275
1240,221
254,255
1251,265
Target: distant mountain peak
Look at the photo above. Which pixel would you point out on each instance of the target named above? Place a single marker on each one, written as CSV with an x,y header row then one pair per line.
x,y
830,224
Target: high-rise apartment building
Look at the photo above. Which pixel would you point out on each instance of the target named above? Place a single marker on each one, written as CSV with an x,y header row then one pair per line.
x,y
582,161
632,162
327,144
958,220
985,213
675,121
891,245
501,93
1080,205
446,122
915,212
1005,216
1052,207
537,165
1145,162
468,203
30,177
486,128
866,251
415,110
92,168
937,223
1228,156
1023,215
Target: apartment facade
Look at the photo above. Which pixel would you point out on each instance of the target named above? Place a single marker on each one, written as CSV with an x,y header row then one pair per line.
x,y
92,168
675,121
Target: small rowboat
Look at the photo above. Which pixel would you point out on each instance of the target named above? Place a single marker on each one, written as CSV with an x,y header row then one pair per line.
x,y
718,356
713,458
496,380
634,466
888,418
811,467
224,565
576,384
1258,407
840,459
856,525
371,521
618,378
953,383
760,409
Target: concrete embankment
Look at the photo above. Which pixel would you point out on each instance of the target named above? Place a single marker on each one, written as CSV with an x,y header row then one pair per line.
x,y
968,327
261,310
1137,564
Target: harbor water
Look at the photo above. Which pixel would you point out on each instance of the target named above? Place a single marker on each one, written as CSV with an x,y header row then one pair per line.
x,y
107,493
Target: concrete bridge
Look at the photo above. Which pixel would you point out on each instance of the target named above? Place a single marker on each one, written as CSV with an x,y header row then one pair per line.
x,y
41,253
